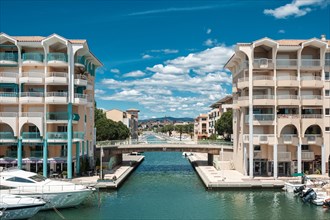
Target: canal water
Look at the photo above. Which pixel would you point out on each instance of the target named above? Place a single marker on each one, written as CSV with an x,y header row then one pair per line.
x,y
165,186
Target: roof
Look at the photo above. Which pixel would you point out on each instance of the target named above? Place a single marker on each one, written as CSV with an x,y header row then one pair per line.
x,y
221,101
133,110
40,38
286,42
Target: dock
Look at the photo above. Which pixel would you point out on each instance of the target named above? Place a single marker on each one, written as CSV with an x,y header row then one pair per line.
x,y
121,173
229,179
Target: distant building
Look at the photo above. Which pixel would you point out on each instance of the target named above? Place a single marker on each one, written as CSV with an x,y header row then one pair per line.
x,y
201,127
217,109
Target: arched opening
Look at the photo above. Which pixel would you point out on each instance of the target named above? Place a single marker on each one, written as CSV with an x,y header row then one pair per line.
x,y
30,131
311,150
8,52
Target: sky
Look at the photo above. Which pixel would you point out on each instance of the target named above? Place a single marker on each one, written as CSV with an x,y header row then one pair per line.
x,y
165,58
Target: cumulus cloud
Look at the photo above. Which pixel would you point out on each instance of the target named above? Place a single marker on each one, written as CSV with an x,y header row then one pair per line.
x,y
208,31
210,42
165,51
183,84
99,91
296,8
146,56
115,70
137,73
281,31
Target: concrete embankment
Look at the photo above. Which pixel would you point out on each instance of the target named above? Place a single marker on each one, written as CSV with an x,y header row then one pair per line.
x,y
228,179
115,178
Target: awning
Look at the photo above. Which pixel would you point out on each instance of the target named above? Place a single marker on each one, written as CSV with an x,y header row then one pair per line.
x,y
57,160
32,160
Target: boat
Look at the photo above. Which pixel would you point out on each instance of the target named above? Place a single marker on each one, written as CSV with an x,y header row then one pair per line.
x,y
57,194
18,207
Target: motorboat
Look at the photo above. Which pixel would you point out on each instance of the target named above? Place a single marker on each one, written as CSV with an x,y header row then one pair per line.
x,y
312,195
57,194
18,207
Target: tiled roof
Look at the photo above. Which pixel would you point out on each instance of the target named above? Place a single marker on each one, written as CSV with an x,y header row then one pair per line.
x,y
77,41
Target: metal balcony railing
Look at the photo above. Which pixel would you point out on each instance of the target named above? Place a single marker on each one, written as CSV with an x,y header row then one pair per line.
x,y
8,74
287,97
79,76
35,56
8,94
327,62
311,97
57,57
33,74
7,135
262,62
57,94
243,79
61,116
263,97
310,62
291,116
32,94
265,77
78,135
286,62
8,114
286,77
9,56
311,116
31,135
57,135
81,96
260,117
36,153
57,74
305,78
31,114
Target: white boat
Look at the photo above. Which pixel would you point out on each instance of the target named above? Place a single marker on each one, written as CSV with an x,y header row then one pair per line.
x,y
18,207
58,194
290,187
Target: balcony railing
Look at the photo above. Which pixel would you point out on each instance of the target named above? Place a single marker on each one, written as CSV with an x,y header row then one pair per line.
x,y
261,117
291,116
80,59
241,98
57,135
310,62
33,74
288,138
286,62
31,135
32,114
311,138
263,97
12,153
243,79
61,116
35,56
262,62
36,153
56,94
32,94
9,56
8,114
78,135
8,94
6,135
284,156
318,78
57,74
286,77
311,97
311,116
57,57
8,74
79,76
287,97
307,155
81,96
265,77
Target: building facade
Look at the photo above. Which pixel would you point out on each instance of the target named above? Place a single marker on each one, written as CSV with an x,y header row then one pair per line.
x,y
281,117
201,127
217,109
46,103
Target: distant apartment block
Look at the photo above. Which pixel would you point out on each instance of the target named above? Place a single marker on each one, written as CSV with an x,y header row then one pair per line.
x,y
281,106
46,103
201,127
217,109
128,118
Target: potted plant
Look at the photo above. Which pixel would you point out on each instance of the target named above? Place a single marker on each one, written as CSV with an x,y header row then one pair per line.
x,y
64,173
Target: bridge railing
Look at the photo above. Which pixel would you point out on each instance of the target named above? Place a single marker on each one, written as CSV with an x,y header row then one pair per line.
x,y
215,142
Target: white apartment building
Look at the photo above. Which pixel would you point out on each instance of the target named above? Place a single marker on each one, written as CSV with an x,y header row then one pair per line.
x,y
46,103
217,109
281,109
201,127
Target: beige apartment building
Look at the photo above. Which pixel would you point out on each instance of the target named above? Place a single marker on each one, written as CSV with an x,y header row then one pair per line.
x,y
46,103
217,109
281,117
201,127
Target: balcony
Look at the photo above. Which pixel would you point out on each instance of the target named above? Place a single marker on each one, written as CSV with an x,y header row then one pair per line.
x,y
9,118
310,64
32,78
287,81
57,137
8,77
308,120
8,97
89,86
32,97
32,59
80,98
7,137
57,59
56,98
31,117
31,137
61,117
243,65
78,135
291,139
263,63
257,155
243,101
287,119
284,156
243,83
307,156
263,81
311,82
263,100
313,139
8,59
80,80
57,78
36,153
12,153
259,139
79,61
311,100
288,100
286,63
261,119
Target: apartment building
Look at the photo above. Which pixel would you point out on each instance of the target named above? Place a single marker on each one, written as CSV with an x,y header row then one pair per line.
x,y
46,103
128,118
217,109
201,127
281,116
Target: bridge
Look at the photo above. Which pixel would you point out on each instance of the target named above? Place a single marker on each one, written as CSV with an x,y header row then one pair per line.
x,y
117,148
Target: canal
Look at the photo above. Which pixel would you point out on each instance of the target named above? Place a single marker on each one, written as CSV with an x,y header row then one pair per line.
x,y
165,186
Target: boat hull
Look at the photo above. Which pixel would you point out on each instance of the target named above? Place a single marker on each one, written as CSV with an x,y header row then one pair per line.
x,y
21,212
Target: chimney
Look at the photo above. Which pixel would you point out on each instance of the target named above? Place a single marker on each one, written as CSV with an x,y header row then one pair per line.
x,y
323,38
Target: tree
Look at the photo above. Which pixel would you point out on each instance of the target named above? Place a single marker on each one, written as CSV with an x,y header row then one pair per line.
x,y
180,129
224,125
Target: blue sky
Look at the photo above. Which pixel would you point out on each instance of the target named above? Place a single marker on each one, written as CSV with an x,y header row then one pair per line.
x,y
165,57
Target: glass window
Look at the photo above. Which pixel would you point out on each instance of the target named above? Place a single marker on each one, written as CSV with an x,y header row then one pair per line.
x,y
257,148
327,92
304,147
38,178
327,111
327,76
327,128
19,179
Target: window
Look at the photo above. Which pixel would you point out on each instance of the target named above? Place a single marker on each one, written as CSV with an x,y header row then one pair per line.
x,y
19,179
327,111
327,92
327,129
38,178
257,148
62,128
327,76
304,147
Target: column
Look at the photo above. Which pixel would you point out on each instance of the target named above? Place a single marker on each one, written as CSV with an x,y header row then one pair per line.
x,y
323,159
45,158
87,148
77,158
83,148
19,153
69,158
210,159
275,167
299,158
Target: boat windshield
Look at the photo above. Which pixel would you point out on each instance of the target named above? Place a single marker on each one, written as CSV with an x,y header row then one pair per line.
x,y
38,178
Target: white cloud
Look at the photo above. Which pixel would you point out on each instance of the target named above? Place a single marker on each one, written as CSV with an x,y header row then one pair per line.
x,y
210,42
165,51
137,73
101,70
208,31
146,56
296,8
172,109
281,31
99,91
185,83
166,10
115,70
